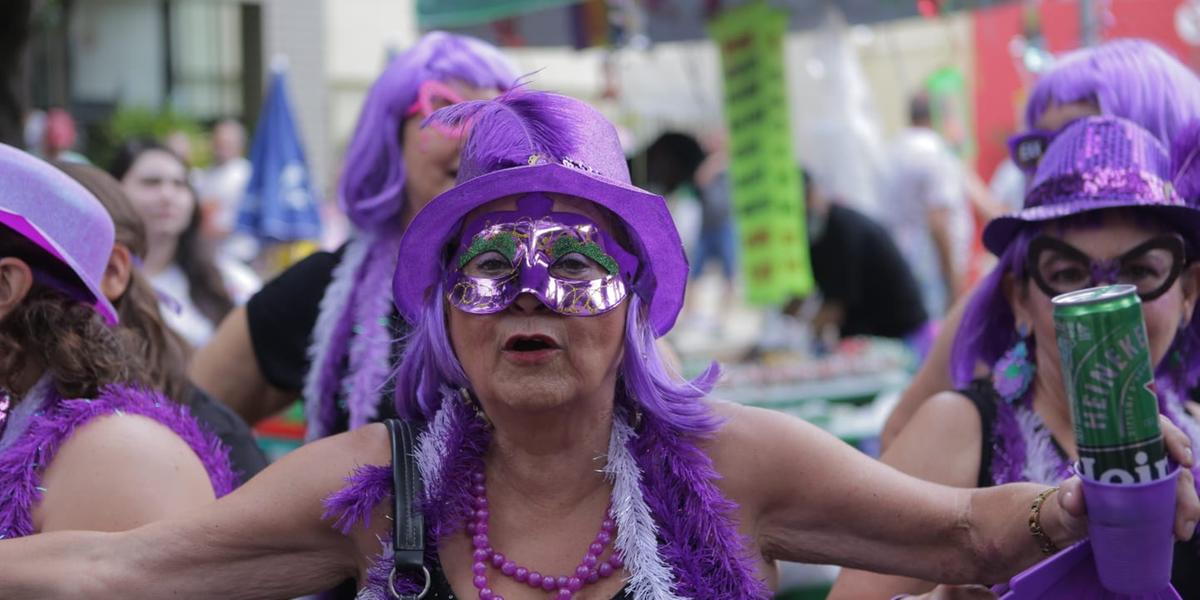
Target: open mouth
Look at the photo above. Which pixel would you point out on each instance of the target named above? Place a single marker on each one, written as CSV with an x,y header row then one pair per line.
x,y
529,343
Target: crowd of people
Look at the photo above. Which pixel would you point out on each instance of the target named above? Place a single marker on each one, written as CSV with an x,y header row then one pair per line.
x,y
491,409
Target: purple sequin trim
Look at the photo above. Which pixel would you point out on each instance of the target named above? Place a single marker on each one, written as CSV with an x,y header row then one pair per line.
x,y
1100,183
21,466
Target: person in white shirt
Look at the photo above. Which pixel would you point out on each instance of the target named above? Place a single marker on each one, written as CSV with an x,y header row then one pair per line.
x,y
197,289
222,186
926,208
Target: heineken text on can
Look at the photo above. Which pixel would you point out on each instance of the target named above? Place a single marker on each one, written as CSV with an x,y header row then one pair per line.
x,y
1110,382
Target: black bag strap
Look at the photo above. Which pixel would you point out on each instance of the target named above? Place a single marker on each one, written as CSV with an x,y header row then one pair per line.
x,y
408,525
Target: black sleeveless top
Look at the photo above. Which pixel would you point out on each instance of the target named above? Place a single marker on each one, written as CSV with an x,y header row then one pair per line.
x,y
1185,570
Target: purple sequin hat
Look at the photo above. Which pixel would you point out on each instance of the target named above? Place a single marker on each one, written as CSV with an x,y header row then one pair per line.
x,y
45,206
524,142
1093,164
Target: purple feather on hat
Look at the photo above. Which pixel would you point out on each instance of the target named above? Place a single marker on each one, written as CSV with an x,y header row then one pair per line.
x,y
507,132
371,189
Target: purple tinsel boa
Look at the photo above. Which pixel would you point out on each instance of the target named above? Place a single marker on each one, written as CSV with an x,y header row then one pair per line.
x,y
22,464
1024,451
698,536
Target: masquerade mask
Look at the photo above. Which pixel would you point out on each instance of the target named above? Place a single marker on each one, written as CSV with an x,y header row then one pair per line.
x,y
564,259
431,96
1027,149
1058,267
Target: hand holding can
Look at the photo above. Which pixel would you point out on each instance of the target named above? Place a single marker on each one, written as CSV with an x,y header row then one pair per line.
x,y
1129,483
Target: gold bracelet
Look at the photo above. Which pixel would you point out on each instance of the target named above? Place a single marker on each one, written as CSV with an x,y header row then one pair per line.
x,y
1035,523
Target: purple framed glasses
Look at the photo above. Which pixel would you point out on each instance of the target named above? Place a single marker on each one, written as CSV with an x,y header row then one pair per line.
x,y
1027,149
1152,266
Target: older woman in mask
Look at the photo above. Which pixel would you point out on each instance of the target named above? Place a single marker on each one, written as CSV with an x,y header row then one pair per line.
x,y
556,453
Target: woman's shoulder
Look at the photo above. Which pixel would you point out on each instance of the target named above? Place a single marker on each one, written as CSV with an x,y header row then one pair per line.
x,y
132,468
942,442
753,445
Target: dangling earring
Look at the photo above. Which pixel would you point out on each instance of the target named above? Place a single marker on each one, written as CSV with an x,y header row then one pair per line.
x,y
1012,374
469,400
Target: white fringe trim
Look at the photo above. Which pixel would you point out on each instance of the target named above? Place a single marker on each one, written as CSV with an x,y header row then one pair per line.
x,y
637,534
1042,460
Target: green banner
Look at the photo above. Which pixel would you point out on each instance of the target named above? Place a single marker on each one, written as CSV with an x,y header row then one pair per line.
x,y
460,13
950,101
767,195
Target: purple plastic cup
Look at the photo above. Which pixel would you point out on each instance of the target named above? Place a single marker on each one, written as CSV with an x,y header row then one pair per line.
x,y
1130,526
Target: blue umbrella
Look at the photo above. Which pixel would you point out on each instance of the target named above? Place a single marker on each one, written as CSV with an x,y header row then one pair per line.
x,y
280,204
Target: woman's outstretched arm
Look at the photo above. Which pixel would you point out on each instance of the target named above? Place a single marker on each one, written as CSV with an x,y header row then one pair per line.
x,y
266,540
808,497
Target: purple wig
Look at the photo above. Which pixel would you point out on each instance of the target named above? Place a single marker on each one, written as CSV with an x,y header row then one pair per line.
x,y
989,327
1129,78
372,186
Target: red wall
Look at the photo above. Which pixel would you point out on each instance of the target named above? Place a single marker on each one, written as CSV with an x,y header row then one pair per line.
x,y
998,89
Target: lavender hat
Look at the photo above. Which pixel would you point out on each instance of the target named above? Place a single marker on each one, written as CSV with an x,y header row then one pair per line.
x,y
523,142
45,206
1093,164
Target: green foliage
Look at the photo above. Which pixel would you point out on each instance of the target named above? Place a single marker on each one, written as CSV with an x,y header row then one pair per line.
x,y
140,122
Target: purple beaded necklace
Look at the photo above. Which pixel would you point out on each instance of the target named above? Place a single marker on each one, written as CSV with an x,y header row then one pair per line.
x,y
590,570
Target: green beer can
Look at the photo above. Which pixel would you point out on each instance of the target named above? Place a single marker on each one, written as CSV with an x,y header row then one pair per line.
x,y
1110,382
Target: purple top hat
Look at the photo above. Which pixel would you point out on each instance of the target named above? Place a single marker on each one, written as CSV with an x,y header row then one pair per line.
x,y
524,142
45,206
1093,164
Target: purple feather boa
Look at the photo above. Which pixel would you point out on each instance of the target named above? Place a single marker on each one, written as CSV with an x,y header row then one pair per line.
x,y
322,409
22,464
352,505
699,538
459,443
352,359
370,351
